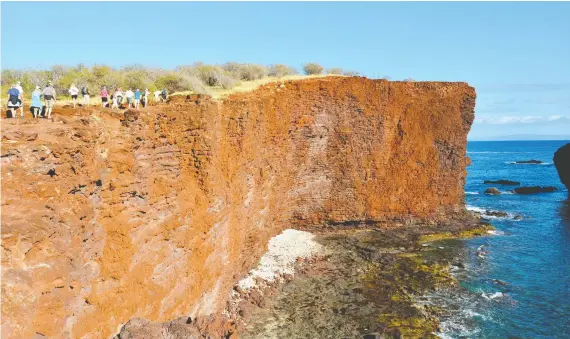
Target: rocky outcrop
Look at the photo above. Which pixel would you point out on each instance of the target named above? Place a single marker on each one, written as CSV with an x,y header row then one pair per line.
x,y
492,191
534,189
502,182
535,162
156,214
562,163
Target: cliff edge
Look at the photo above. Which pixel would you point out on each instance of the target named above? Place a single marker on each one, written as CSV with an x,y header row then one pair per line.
x,y
155,214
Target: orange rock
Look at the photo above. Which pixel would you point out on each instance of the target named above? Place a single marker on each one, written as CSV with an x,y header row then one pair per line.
x,y
155,214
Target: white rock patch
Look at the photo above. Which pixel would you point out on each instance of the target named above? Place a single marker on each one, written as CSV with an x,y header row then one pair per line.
x,y
283,251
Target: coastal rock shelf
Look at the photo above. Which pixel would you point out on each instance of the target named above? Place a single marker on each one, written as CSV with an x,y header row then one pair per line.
x,y
157,214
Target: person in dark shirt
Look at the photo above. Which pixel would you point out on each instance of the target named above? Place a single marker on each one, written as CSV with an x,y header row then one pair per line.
x,y
15,101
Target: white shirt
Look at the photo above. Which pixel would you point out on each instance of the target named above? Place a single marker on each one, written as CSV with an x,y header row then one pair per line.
x,y
129,94
73,91
19,88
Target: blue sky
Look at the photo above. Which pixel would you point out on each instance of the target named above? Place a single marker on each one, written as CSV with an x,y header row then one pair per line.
x,y
517,55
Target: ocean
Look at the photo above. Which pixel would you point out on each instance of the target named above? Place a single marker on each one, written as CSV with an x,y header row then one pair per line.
x,y
515,283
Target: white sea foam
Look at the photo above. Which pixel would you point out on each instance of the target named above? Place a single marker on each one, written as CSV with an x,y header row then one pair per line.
x,y
475,209
492,296
471,193
483,213
495,232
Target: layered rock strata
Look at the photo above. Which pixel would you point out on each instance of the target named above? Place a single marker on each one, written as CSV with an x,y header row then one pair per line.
x,y
156,214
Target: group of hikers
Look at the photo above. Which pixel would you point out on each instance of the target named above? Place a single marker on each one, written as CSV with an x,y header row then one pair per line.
x,y
134,98
16,100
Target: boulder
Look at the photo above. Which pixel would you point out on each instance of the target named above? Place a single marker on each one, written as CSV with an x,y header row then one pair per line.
x,y
562,163
493,191
534,189
528,162
499,214
502,182
20,136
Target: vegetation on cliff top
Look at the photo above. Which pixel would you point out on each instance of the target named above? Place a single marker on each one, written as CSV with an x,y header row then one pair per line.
x,y
198,77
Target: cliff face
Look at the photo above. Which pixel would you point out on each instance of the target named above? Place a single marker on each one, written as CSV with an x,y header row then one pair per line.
x,y
562,162
156,214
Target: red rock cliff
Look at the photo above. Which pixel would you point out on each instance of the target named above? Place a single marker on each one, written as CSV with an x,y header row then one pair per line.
x,y
157,214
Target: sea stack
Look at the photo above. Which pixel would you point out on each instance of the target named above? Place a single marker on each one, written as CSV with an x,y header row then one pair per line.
x,y
562,163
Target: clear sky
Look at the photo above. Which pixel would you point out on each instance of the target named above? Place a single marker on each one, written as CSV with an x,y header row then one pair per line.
x,y
516,55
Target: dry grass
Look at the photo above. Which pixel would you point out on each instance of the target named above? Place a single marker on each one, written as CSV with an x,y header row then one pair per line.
x,y
218,93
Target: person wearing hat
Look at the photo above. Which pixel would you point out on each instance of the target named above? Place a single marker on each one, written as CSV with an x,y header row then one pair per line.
x,y
15,101
49,98
37,102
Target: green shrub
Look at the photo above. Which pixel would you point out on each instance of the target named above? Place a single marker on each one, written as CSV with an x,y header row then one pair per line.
x,y
312,69
335,70
198,77
195,85
280,70
173,82
246,72
251,72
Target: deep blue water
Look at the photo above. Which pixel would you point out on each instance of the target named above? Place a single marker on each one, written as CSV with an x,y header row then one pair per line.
x,y
530,257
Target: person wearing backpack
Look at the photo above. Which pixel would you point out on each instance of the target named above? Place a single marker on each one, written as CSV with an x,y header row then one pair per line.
x,y
164,94
86,96
15,102
49,98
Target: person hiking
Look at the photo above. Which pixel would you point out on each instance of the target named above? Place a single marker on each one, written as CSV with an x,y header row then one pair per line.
x,y
73,91
145,97
104,95
86,96
21,90
114,100
129,94
15,101
37,102
137,98
119,95
156,96
49,98
164,94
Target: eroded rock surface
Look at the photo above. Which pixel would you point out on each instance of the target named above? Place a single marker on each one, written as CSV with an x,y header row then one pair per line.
x,y
155,214
562,163
535,189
